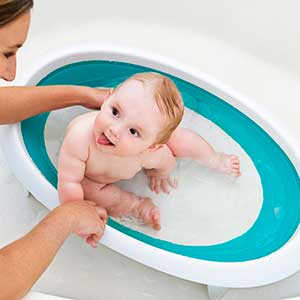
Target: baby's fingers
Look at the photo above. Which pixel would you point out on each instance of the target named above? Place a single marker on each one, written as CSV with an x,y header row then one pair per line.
x,y
165,186
172,182
157,187
152,183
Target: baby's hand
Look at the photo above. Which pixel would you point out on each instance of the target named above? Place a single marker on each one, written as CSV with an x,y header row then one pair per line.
x,y
160,182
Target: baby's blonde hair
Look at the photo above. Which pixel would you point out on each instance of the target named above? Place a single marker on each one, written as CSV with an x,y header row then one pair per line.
x,y
168,100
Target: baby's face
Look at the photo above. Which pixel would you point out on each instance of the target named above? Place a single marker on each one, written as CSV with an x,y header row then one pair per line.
x,y
129,121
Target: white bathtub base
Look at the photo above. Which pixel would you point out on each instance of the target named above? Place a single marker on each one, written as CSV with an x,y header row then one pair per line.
x,y
216,292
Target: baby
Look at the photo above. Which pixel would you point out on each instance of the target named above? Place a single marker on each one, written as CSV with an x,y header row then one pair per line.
x,y
135,129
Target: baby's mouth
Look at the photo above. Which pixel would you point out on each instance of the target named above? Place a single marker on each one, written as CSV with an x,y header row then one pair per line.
x,y
103,140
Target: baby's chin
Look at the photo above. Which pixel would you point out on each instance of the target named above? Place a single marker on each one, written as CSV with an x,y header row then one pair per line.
x,y
117,151
110,149
124,152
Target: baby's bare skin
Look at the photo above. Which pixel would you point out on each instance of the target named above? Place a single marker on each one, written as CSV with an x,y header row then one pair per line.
x,y
95,179
186,143
98,151
101,148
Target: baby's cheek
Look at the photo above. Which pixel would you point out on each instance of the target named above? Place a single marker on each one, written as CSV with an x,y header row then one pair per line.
x,y
125,147
97,121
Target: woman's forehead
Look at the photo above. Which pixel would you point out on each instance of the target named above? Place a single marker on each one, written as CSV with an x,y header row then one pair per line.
x,y
13,34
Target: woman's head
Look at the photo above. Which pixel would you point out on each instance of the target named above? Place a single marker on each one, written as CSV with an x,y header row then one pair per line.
x,y
14,25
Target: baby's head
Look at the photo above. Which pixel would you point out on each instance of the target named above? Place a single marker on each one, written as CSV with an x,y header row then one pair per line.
x,y
141,113
168,99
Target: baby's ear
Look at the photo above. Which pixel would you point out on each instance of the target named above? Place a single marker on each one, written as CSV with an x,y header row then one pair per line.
x,y
155,147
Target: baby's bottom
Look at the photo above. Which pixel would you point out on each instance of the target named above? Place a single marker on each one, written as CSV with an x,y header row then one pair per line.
x,y
186,143
119,203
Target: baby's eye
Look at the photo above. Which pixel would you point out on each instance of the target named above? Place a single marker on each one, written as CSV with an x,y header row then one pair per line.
x,y
115,112
134,132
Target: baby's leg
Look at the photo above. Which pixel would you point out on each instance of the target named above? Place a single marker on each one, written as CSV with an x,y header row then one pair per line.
x,y
186,143
119,203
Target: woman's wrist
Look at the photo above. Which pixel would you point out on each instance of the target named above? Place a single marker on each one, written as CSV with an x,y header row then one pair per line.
x,y
64,218
74,95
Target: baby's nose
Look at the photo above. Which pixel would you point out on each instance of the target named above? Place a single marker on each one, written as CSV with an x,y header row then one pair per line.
x,y
114,131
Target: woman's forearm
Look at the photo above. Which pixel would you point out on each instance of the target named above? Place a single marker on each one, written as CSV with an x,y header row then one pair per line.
x,y
19,103
23,261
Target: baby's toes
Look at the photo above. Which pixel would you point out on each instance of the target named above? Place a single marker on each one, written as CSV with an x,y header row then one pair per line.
x,y
155,218
234,159
235,165
150,214
146,206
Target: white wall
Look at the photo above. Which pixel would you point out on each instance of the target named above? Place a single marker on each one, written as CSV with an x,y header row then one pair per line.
x,y
252,46
266,28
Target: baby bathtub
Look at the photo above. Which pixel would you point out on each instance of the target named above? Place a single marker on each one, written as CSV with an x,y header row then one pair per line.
x,y
269,251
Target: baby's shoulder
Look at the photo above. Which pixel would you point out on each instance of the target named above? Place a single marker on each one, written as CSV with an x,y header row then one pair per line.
x,y
82,123
84,120
80,129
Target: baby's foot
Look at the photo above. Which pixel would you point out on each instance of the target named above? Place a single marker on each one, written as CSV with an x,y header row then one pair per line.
x,y
149,213
228,164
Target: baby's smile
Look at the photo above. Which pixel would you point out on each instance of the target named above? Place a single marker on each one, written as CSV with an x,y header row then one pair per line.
x,y
103,140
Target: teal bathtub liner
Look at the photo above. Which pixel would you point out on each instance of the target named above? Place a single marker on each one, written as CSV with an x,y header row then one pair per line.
x,y
280,213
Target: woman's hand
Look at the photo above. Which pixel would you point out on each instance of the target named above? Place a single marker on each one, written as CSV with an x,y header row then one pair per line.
x,y
21,102
86,219
93,98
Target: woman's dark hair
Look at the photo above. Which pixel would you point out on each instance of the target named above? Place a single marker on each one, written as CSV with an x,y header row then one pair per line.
x,y
10,9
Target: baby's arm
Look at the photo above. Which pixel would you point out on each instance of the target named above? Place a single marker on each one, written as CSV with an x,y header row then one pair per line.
x,y
186,143
71,164
158,164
